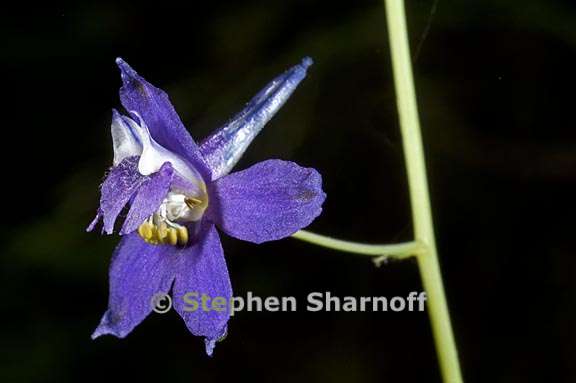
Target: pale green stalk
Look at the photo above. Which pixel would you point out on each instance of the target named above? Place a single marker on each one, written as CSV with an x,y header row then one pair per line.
x,y
424,244
419,197
381,252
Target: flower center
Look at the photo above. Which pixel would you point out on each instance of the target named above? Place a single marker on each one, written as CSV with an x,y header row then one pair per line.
x,y
168,225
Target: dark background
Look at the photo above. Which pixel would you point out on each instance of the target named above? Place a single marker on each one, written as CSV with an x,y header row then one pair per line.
x,y
496,84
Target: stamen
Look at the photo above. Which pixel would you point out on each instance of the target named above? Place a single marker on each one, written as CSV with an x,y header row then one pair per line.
x,y
193,202
161,234
162,230
172,237
167,226
154,237
182,235
145,231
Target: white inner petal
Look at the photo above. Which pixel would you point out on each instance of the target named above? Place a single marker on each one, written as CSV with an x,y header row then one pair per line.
x,y
175,209
154,156
124,142
133,138
175,206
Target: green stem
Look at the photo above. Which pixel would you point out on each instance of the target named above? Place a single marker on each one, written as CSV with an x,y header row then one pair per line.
x,y
419,197
381,252
424,244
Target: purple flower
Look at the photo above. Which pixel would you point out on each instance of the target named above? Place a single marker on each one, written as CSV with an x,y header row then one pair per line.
x,y
176,192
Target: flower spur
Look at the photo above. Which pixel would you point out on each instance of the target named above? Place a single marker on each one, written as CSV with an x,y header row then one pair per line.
x,y
176,192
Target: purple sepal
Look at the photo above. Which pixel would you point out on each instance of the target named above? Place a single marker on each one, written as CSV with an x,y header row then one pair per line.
x,y
138,271
154,106
268,201
203,271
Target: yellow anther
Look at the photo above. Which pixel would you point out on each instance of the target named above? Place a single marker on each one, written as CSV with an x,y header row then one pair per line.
x,y
141,231
171,237
145,231
162,231
154,237
161,234
182,235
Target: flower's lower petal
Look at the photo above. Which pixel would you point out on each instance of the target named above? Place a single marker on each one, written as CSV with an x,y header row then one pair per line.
x,y
116,191
148,198
138,272
268,201
223,148
153,105
203,272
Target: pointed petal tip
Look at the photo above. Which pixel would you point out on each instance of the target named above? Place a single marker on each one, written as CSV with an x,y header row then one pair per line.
x,y
102,329
96,334
210,342
107,327
126,71
306,62
210,345
123,65
120,62
94,222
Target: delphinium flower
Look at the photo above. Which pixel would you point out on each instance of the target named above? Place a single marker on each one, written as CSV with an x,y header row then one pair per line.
x,y
176,192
